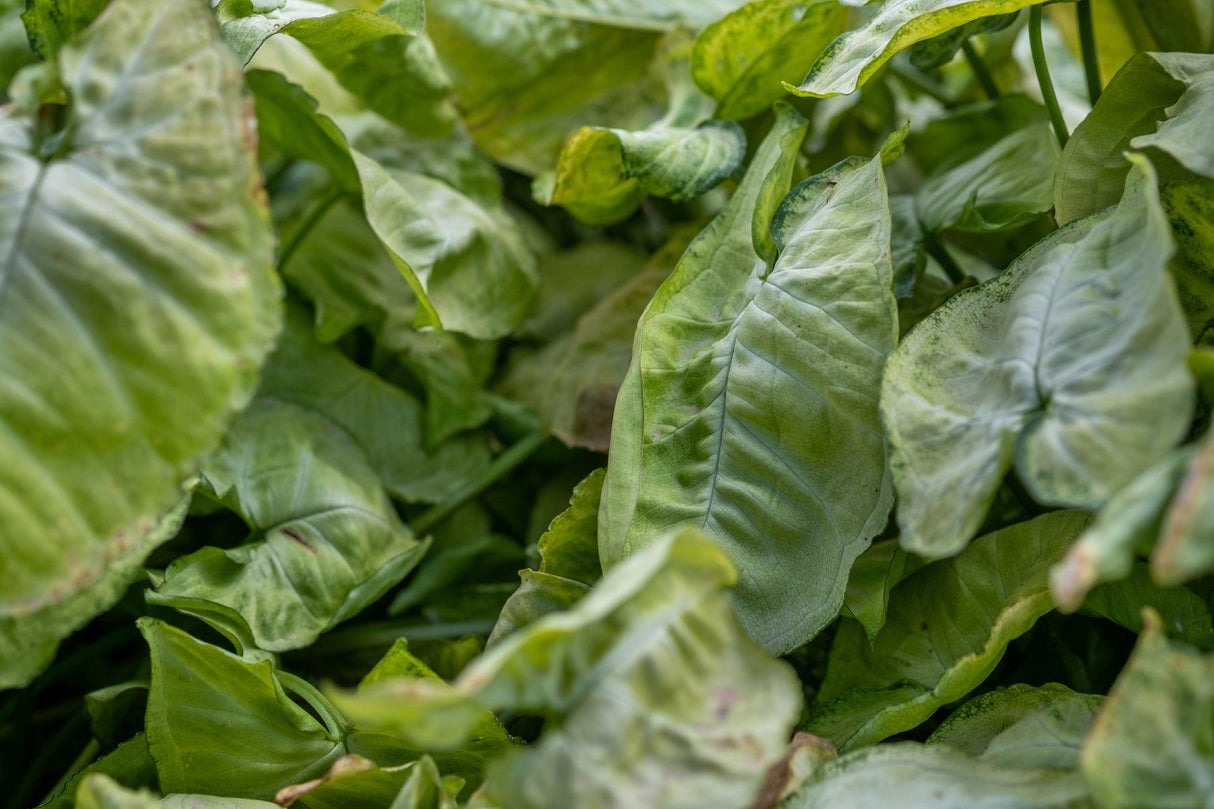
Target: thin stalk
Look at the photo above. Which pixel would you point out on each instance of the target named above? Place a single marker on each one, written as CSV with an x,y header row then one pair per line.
x,y
982,73
1087,41
328,713
313,219
503,465
1043,77
937,250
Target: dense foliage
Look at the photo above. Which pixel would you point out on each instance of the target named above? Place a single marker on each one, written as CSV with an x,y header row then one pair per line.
x,y
838,375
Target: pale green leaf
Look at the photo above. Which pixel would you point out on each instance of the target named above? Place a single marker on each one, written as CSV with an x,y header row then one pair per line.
x,y
385,421
603,173
380,57
1128,523
741,59
138,267
467,262
1153,743
326,541
661,698
1022,727
912,776
357,781
849,61
99,791
750,406
1070,365
947,629
1007,185
209,708
1158,101
531,72
1166,512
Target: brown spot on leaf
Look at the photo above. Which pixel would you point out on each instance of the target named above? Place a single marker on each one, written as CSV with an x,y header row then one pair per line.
x,y
291,533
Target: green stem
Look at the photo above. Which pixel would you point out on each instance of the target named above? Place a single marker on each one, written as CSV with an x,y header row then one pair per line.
x,y
1091,58
329,714
90,752
937,250
501,466
981,72
1043,77
313,219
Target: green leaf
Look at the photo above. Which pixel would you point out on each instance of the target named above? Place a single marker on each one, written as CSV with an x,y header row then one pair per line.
x,y
1022,727
1008,185
1158,101
326,541
573,381
1185,613
466,763
569,547
750,406
1153,743
1069,365
603,173
466,262
1165,511
453,370
1190,207
52,23
99,791
849,61
913,776
530,73
129,764
661,698
385,421
938,51
138,267
356,781
948,627
741,59
209,708
569,563
873,576
287,119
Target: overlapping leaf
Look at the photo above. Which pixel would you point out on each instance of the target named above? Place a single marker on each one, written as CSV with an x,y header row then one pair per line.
x,y
645,676
1070,365
749,367
137,267
849,61
530,73
948,626
1153,744
741,59
326,541
1158,101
